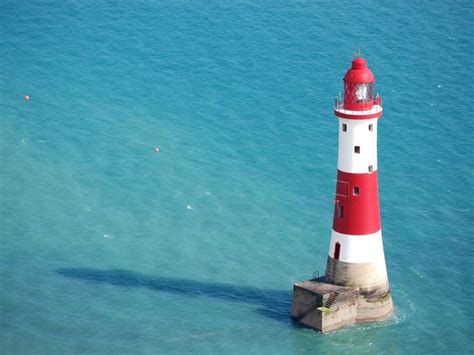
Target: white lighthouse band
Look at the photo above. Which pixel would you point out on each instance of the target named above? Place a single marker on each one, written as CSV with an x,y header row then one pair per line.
x,y
366,248
357,152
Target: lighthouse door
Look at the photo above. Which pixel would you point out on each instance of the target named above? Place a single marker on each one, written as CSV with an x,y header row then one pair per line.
x,y
337,250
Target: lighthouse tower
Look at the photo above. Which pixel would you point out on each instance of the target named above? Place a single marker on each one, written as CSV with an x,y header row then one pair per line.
x,y
355,288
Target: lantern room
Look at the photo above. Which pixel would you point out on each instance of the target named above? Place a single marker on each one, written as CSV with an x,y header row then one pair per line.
x,y
359,87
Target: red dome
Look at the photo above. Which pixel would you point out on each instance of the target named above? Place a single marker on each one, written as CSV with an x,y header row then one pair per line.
x,y
359,73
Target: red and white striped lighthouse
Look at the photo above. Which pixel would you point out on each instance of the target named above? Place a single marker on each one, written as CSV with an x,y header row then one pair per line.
x,y
356,256
355,287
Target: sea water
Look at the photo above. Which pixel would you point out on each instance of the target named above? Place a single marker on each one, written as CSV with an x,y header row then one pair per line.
x,y
110,247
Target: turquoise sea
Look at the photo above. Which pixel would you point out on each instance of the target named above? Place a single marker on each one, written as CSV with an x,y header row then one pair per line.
x,y
107,247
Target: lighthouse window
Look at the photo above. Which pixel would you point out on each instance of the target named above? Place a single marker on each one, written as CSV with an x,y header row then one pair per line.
x,y
371,127
371,168
355,191
340,211
357,149
364,92
344,127
358,92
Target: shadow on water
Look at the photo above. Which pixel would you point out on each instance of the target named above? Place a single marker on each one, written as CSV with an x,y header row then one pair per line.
x,y
275,304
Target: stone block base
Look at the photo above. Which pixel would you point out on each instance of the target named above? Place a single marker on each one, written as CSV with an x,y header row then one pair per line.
x,y
327,307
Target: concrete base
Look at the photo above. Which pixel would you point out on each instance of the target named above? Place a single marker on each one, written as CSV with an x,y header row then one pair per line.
x,y
371,308
367,277
327,307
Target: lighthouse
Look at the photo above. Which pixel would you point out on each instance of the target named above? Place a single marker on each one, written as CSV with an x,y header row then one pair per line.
x,y
355,288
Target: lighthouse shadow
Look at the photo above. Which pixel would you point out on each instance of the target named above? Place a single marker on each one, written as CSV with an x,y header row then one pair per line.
x,y
274,304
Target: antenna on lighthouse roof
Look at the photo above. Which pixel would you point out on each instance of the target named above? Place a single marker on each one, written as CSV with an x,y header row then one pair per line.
x,y
357,54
